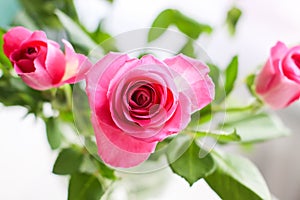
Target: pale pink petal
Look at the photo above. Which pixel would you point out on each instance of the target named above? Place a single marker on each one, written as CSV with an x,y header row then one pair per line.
x,y
191,77
265,78
77,65
278,51
282,93
109,65
14,38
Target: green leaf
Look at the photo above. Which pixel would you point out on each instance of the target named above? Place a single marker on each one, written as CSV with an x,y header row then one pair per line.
x,y
68,161
54,134
215,74
255,127
185,24
84,187
250,83
189,26
77,35
237,178
188,49
92,165
233,16
231,73
221,136
191,167
160,24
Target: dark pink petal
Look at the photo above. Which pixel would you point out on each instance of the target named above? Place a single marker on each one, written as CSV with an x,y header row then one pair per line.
x,y
112,154
291,64
14,38
24,66
177,122
192,79
55,63
37,38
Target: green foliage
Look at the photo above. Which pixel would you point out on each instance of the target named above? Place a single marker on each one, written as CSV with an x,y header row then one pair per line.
x,y
75,32
253,127
185,24
237,178
84,187
188,49
191,167
233,16
231,73
221,136
42,12
92,165
68,161
54,134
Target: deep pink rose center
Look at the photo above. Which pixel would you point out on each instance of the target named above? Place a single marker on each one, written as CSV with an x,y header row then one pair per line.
x,y
25,58
296,59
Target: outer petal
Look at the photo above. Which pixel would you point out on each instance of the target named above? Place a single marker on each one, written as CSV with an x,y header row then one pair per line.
x,y
291,64
77,65
55,63
281,94
37,38
112,154
272,85
39,79
14,38
191,77
94,75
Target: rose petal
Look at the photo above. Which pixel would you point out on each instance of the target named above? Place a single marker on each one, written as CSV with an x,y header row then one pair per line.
x,y
192,79
180,119
95,75
37,38
55,63
281,93
14,38
39,79
77,65
112,154
291,64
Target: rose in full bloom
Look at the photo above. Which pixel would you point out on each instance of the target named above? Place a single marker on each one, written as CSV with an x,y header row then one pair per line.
x,y
278,83
136,103
40,62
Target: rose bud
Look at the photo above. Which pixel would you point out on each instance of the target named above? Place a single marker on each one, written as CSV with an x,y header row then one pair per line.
x,y
278,83
40,62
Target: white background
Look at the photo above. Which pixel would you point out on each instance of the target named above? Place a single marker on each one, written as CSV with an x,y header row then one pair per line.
x,y
26,160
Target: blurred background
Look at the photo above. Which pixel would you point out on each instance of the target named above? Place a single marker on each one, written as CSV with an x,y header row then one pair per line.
x,y
26,159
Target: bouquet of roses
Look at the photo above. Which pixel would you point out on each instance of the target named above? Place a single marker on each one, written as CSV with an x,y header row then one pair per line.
x,y
158,101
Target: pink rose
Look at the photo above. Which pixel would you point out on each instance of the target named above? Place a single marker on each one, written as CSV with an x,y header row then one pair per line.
x,y
278,83
40,62
136,103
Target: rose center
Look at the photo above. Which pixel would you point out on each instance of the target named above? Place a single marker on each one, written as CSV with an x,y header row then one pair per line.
x,y
142,96
31,52
296,59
